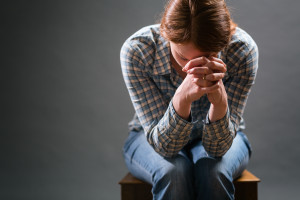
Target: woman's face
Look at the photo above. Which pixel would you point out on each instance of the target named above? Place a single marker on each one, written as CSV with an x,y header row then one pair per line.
x,y
183,53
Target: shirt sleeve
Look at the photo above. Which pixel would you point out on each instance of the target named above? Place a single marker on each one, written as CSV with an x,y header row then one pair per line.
x,y
218,136
165,130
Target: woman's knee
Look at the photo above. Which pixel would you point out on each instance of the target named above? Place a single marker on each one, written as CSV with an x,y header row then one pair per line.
x,y
213,180
173,179
174,169
211,167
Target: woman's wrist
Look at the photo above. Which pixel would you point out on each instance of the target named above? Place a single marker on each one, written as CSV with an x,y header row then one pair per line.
x,y
181,105
217,111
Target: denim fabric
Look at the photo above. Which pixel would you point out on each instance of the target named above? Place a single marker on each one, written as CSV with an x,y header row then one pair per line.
x,y
192,174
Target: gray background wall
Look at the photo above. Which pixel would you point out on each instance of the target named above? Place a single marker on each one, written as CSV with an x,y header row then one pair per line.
x,y
64,106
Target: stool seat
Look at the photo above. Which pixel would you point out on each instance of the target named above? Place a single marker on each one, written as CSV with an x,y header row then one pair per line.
x,y
135,189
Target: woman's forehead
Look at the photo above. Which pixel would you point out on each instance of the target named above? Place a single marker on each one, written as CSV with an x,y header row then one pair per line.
x,y
188,50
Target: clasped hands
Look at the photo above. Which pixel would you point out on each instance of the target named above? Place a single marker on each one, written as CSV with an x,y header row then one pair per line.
x,y
204,76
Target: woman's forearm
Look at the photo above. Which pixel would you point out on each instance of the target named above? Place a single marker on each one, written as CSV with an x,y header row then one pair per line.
x,y
181,105
217,112
219,103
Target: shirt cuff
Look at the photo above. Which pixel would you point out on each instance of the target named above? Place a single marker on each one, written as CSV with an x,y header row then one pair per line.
x,y
181,127
219,129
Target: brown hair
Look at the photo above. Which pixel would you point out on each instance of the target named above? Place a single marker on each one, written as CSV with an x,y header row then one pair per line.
x,y
205,23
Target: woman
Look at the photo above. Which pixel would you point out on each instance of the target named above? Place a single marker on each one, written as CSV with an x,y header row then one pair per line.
x,y
189,79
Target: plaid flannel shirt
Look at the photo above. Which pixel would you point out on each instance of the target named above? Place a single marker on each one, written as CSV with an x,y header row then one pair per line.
x,y
152,82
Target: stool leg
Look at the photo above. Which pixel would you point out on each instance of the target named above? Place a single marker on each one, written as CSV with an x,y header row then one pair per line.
x,y
246,191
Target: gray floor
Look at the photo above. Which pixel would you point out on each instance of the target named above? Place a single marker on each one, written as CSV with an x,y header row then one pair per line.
x,y
64,106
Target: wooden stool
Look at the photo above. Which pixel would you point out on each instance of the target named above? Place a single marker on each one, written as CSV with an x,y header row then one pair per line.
x,y
135,189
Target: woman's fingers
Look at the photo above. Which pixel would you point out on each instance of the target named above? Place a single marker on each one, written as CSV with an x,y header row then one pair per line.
x,y
200,70
216,66
202,83
214,76
195,62
212,58
208,77
210,89
213,63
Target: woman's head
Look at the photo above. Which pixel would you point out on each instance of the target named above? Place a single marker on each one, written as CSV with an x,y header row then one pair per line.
x,y
204,23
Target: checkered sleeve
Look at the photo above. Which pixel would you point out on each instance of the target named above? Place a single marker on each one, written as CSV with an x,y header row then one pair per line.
x,y
243,61
165,130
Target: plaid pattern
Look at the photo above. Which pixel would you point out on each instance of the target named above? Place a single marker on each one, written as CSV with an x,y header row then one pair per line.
x,y
152,82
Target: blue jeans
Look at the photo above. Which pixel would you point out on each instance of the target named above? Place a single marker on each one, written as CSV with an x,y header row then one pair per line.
x,y
192,174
